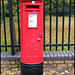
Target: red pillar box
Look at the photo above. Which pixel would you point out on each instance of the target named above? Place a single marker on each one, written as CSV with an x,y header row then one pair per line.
x,y
31,30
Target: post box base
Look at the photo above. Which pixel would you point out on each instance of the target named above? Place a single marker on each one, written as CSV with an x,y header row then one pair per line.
x,y
31,69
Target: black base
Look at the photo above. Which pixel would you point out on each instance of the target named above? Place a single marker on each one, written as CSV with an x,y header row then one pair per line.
x,y
31,69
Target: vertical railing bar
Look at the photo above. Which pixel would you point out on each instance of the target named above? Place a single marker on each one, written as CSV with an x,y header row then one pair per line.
x,y
4,24
18,23
69,25
63,23
50,21
11,28
44,25
57,25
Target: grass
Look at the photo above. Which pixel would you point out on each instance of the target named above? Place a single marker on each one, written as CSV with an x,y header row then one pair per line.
x,y
66,29
47,32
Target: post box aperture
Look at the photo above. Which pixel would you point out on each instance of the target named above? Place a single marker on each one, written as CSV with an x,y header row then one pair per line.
x,y
32,6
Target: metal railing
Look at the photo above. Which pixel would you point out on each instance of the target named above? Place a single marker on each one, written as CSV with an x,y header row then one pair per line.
x,y
63,44
16,45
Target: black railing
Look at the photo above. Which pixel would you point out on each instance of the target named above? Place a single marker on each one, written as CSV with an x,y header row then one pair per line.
x,y
4,24
12,31
15,40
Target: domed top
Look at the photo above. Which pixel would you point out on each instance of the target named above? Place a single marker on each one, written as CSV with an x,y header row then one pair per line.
x,y
31,0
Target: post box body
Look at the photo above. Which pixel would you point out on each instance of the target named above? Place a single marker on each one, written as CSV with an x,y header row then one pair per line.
x,y
31,31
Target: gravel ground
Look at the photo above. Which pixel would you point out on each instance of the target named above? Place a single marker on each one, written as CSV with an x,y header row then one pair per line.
x,y
47,71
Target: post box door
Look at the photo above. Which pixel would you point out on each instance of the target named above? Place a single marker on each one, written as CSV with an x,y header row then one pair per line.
x,y
32,35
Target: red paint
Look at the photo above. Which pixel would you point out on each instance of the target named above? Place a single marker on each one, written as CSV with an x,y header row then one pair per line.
x,y
31,38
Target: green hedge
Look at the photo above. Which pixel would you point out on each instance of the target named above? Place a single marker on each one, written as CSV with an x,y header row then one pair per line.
x,y
60,9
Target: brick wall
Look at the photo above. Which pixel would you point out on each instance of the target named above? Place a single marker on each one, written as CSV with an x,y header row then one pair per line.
x,y
51,63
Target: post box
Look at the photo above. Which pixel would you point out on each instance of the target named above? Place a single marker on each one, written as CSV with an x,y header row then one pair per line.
x,y
31,36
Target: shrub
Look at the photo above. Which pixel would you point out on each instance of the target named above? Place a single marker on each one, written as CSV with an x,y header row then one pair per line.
x,y
60,9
